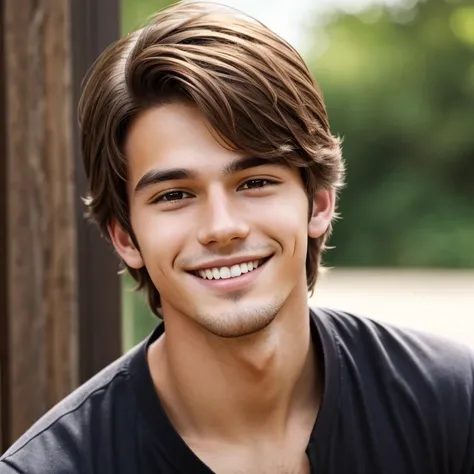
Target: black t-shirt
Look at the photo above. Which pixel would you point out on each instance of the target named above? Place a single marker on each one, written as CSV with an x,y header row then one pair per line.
x,y
395,401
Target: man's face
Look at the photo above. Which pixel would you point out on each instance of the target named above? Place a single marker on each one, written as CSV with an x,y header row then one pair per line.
x,y
223,236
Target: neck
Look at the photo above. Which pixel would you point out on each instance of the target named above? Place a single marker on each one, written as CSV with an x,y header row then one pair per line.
x,y
230,387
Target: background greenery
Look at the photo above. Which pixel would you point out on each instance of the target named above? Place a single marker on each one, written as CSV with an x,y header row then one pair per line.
x,y
399,86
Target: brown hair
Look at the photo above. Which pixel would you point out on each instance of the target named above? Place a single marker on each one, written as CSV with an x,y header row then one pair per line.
x,y
252,86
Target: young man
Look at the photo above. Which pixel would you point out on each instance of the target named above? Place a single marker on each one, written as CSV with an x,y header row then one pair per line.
x,y
213,171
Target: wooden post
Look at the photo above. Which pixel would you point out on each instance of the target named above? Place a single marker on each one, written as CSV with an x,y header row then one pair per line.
x,y
96,24
59,292
4,349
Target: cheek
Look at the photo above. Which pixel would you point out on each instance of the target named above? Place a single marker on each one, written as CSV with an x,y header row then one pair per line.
x,y
160,237
286,221
288,214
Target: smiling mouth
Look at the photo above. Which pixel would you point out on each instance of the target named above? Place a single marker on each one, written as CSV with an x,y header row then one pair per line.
x,y
234,271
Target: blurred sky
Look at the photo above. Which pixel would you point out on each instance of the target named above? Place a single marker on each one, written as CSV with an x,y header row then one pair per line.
x,y
287,17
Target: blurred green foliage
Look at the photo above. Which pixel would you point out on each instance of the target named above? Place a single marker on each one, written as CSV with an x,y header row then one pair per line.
x,y
134,13
399,86
137,319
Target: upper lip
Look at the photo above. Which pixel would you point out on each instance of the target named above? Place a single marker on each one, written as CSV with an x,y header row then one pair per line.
x,y
226,262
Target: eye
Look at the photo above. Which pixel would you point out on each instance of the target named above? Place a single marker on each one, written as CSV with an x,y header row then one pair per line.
x,y
172,196
256,183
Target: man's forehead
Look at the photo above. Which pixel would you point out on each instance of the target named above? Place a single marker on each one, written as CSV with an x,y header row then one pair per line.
x,y
174,135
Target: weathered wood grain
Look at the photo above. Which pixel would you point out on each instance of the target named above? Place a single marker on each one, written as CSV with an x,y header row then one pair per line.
x,y
59,289
43,363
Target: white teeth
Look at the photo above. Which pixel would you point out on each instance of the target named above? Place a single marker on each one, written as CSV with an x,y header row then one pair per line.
x,y
224,273
235,271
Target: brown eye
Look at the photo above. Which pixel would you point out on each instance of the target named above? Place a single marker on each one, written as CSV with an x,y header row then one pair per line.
x,y
172,196
256,183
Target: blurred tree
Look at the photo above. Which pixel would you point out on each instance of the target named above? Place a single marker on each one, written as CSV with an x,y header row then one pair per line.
x,y
136,12
399,85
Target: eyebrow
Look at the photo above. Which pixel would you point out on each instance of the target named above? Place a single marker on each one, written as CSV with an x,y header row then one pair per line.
x,y
159,176
153,177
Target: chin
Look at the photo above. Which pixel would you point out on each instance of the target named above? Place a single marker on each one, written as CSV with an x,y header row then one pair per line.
x,y
240,321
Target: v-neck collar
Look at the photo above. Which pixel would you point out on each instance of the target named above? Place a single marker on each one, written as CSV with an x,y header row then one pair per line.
x,y
173,446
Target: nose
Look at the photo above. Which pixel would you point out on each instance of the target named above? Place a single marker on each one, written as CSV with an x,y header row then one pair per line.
x,y
221,221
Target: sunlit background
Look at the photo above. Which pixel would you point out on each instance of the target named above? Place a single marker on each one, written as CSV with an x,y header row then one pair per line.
x,y
398,80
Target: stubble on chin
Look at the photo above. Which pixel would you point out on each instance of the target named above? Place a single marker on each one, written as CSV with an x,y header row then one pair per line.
x,y
241,321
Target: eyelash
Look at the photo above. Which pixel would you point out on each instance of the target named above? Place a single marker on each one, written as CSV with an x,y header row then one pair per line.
x,y
161,198
268,181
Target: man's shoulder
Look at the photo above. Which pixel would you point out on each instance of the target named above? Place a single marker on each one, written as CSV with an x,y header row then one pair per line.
x,y
414,353
63,439
402,380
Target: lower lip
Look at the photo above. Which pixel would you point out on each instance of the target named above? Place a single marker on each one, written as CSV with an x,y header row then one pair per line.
x,y
232,284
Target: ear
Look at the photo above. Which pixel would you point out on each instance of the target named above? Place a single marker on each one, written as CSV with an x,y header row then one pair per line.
x,y
324,203
124,246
